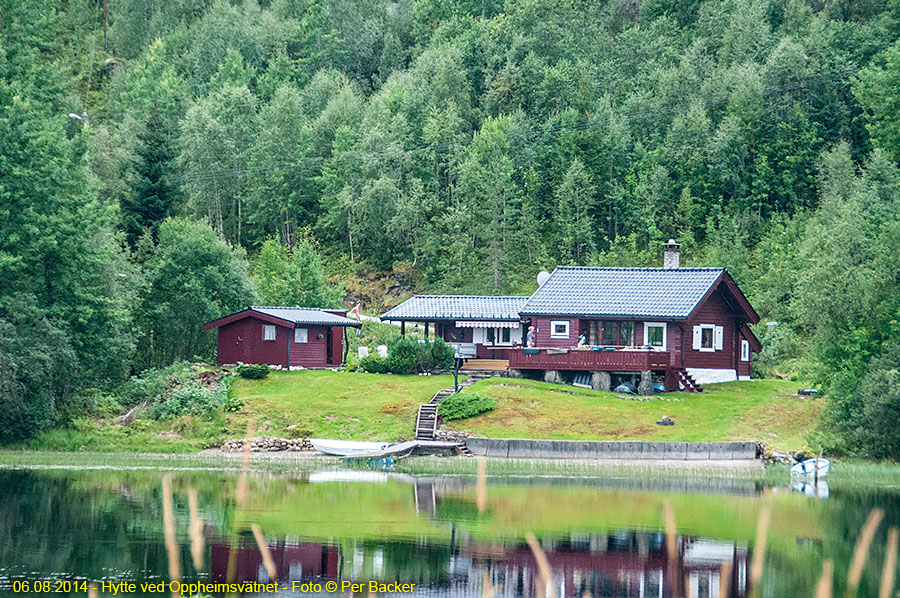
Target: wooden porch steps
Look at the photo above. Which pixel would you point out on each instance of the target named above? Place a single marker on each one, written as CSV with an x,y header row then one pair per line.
x,y
686,380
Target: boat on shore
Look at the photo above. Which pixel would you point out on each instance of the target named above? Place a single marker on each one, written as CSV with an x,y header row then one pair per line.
x,y
346,448
817,467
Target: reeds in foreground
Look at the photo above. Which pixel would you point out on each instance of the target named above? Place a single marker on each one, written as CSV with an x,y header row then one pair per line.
x,y
671,531
890,564
861,551
481,486
195,531
545,575
823,587
264,552
725,579
759,549
169,530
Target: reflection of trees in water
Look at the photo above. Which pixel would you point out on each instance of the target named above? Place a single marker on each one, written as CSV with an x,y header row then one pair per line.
x,y
842,516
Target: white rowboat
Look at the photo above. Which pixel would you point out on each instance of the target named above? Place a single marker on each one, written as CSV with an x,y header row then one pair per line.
x,y
346,448
809,467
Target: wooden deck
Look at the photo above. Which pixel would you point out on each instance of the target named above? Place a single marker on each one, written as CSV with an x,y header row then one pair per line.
x,y
588,360
494,365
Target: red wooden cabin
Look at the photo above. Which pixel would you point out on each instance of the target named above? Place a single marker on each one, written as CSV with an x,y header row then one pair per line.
x,y
286,336
672,327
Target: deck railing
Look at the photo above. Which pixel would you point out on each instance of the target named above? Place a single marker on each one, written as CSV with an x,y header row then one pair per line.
x,y
587,360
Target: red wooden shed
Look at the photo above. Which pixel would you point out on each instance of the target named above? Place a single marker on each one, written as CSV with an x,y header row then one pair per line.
x,y
287,336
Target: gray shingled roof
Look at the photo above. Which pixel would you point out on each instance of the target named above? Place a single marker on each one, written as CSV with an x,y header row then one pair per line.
x,y
622,292
305,315
457,307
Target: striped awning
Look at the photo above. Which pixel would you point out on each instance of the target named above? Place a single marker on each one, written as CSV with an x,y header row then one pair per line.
x,y
486,324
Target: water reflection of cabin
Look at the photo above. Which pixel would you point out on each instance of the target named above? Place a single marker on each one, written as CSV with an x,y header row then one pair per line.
x,y
622,563
667,327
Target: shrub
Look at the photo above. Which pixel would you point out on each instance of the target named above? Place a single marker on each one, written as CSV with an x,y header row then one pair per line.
x,y
441,355
189,398
253,371
463,405
231,403
404,356
374,364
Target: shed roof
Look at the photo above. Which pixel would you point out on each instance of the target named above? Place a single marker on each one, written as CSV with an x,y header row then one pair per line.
x,y
458,307
311,316
668,293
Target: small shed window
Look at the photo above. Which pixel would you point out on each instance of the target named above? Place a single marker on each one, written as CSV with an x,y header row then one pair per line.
x,y
745,350
559,329
301,335
268,332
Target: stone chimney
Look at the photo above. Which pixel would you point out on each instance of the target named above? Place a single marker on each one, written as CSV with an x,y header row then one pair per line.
x,y
670,254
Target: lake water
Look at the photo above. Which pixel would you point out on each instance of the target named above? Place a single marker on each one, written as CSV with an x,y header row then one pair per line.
x,y
601,537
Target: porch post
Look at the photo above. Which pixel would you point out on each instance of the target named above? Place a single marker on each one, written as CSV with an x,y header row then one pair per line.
x,y
403,328
426,330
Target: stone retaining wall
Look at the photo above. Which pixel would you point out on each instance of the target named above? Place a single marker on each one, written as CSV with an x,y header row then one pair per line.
x,y
267,444
625,450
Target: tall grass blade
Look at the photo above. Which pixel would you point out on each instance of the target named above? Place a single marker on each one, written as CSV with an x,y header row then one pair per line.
x,y
890,565
759,549
264,552
545,575
481,486
245,465
169,531
671,531
487,588
725,579
195,531
861,551
824,585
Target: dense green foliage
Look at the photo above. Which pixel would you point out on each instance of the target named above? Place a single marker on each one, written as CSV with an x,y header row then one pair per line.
x,y
176,390
235,151
408,355
253,371
462,405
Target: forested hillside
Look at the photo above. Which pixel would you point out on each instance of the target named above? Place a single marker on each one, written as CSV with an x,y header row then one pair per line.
x,y
217,153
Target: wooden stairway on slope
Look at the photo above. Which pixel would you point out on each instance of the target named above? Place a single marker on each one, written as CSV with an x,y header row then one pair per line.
x,y
427,417
686,380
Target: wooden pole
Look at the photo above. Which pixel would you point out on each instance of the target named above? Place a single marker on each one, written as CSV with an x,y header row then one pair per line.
x,y
402,328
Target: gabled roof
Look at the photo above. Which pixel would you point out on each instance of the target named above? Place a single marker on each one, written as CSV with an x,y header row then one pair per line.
x,y
665,293
287,316
458,307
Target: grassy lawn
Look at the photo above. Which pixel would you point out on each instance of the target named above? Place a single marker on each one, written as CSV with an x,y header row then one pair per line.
x,y
764,410
325,404
308,403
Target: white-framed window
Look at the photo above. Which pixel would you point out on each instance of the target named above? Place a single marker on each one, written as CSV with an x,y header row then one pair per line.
x,y
268,332
301,335
559,329
655,335
745,350
707,338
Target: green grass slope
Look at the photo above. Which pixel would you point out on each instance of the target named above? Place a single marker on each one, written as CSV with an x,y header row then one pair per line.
x,y
765,410
307,403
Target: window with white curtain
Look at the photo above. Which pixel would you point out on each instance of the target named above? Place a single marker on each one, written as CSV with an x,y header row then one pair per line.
x,y
268,332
